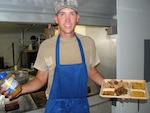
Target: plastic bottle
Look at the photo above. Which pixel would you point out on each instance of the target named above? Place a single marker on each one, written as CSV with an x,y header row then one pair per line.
x,y
9,83
32,66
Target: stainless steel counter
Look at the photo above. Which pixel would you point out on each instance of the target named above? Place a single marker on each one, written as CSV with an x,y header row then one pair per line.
x,y
96,103
35,102
26,103
37,111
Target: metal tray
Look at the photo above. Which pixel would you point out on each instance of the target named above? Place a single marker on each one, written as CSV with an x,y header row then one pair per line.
x,y
134,89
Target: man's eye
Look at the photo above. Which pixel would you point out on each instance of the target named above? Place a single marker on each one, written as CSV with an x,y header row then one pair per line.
x,y
72,14
61,14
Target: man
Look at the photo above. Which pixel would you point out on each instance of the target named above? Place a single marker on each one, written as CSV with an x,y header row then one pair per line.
x,y
65,62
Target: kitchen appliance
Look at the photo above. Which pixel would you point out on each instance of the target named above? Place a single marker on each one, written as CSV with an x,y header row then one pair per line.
x,y
97,103
28,57
92,88
25,103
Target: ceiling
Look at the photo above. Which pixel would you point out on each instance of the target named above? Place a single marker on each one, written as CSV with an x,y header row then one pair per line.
x,y
42,11
31,15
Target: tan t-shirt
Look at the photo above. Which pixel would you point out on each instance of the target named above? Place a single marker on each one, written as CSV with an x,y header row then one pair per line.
x,y
69,54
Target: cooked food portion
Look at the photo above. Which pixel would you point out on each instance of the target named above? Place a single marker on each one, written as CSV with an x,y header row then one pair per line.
x,y
116,84
121,91
108,93
120,87
137,94
138,85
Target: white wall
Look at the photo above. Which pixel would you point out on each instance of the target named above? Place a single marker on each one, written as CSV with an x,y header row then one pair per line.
x,y
106,48
9,37
6,47
133,17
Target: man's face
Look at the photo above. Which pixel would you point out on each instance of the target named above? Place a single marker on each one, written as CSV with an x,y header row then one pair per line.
x,y
67,19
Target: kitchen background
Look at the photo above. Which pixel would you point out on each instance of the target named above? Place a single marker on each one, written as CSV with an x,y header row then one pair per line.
x,y
105,44
122,53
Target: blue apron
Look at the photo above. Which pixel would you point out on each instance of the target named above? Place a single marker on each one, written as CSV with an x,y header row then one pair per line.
x,y
69,87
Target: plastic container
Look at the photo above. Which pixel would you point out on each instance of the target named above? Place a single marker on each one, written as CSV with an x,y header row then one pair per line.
x,y
9,83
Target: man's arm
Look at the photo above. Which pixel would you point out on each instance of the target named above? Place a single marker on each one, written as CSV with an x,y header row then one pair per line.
x,y
95,76
36,83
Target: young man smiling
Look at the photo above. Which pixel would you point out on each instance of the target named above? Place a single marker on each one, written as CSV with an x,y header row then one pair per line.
x,y
65,62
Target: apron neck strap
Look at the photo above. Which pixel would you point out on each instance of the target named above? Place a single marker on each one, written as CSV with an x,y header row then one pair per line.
x,y
58,49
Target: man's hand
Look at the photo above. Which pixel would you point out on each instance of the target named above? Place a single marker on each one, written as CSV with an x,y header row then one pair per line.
x,y
5,93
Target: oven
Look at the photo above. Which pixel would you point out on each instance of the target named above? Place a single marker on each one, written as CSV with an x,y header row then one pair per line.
x,y
97,103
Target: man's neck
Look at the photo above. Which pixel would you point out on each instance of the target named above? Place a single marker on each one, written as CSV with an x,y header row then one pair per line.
x,y
67,35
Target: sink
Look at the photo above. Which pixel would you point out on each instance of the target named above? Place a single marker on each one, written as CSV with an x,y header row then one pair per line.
x,y
39,98
26,103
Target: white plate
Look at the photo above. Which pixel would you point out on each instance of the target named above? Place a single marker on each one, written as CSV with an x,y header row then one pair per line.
x,y
138,92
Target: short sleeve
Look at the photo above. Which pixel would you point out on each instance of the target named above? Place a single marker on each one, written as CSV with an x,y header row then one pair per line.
x,y
94,57
40,63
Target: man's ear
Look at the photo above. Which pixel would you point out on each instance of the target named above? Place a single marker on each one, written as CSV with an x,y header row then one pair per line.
x,y
55,19
78,18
